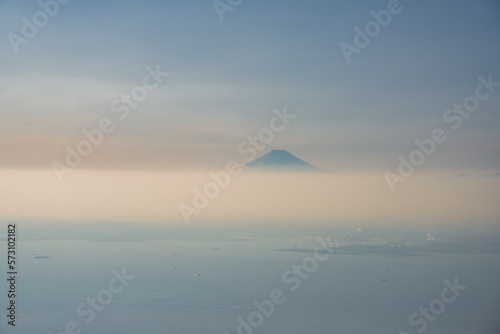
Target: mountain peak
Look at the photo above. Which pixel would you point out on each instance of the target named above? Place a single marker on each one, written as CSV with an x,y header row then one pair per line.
x,y
281,160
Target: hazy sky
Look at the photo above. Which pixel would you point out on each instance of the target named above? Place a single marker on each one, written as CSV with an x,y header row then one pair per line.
x,y
226,77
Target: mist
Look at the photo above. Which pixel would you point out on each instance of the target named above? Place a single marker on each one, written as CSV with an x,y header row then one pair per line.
x,y
313,198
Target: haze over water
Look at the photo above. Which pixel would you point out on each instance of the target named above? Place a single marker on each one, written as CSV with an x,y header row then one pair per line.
x,y
127,135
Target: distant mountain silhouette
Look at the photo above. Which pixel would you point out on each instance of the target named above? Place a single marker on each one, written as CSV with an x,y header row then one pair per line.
x,y
281,160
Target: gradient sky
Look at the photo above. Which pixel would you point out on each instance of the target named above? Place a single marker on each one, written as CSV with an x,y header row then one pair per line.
x,y
227,76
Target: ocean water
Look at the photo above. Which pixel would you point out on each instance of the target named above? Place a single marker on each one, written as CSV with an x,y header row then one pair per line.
x,y
204,286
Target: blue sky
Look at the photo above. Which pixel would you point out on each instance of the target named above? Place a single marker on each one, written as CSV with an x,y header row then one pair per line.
x,y
227,76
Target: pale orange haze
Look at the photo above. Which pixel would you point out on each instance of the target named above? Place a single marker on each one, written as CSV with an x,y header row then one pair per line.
x,y
153,196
